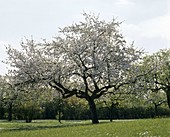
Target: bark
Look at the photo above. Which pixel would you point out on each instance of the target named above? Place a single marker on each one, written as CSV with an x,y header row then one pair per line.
x,y
113,108
168,97
59,116
156,109
29,115
2,111
93,111
111,112
28,120
59,113
111,117
10,112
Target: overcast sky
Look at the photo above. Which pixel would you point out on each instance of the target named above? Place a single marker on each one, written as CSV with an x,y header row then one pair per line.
x,y
145,21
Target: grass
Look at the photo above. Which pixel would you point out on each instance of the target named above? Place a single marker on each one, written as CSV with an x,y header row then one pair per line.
x,y
121,128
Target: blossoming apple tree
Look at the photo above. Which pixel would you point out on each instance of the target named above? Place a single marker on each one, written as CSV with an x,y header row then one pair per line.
x,y
87,59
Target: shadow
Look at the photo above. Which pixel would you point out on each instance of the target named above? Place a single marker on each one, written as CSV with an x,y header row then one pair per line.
x,y
62,125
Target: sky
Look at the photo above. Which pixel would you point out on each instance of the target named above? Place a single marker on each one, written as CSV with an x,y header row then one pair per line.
x,y
146,22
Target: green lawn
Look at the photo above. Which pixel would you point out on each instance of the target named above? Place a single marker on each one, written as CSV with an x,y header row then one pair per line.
x,y
122,128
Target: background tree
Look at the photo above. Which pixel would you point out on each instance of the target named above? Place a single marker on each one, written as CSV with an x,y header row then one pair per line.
x,y
159,77
156,99
30,102
2,93
75,108
116,99
89,59
8,95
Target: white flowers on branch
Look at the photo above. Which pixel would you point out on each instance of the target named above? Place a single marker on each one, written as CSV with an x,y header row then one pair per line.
x,y
91,53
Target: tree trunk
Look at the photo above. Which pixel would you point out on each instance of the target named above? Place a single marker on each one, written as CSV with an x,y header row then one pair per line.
x,y
111,112
168,96
10,112
93,111
28,120
156,109
111,118
29,115
59,116
59,113
2,112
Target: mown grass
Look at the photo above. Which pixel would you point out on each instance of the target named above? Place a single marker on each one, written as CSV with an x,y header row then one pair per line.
x,y
51,128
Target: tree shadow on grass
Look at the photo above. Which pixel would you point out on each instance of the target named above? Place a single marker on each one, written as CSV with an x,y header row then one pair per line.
x,y
25,127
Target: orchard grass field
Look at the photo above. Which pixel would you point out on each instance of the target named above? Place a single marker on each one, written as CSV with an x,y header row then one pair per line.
x,y
159,127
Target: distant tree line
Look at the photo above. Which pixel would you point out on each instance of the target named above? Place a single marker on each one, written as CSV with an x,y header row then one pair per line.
x,y
80,111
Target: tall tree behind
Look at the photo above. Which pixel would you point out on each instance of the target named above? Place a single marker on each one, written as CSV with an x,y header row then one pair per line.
x,y
158,78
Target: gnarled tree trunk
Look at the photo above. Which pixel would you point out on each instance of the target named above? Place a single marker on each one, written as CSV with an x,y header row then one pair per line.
x,y
93,110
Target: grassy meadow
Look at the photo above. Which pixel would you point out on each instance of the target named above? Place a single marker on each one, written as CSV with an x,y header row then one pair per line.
x,y
118,128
